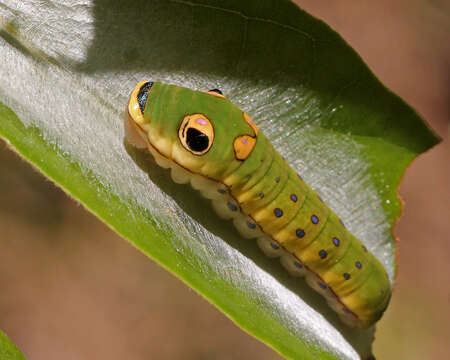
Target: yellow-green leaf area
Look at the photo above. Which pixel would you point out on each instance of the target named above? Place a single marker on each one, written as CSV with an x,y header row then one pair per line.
x,y
9,351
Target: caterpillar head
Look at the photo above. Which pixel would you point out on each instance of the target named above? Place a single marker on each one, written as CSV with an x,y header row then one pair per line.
x,y
201,131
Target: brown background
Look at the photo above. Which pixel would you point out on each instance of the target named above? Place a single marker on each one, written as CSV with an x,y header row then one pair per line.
x,y
72,289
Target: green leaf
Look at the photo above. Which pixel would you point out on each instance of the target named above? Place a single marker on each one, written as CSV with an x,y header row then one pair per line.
x,y
66,73
9,351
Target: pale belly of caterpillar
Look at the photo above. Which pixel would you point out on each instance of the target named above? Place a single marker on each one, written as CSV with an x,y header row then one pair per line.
x,y
289,221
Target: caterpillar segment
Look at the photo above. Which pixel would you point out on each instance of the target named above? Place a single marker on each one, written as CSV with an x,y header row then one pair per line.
x,y
208,142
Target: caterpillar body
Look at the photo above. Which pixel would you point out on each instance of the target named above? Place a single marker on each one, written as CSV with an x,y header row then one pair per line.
x,y
205,140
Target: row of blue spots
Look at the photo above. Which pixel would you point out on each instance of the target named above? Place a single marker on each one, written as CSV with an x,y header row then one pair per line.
x,y
300,233
279,212
347,275
323,254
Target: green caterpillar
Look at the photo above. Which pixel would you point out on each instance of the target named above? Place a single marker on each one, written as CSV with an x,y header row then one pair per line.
x,y
215,146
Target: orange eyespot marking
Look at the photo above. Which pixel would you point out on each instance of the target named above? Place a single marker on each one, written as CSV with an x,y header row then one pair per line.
x,y
251,123
196,134
243,146
214,93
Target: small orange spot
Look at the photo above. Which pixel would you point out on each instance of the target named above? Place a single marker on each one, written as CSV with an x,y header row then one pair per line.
x,y
243,146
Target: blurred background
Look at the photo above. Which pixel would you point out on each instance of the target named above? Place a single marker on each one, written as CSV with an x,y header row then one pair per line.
x,y
72,289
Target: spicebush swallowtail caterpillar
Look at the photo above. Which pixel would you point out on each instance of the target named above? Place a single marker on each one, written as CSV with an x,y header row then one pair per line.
x,y
205,140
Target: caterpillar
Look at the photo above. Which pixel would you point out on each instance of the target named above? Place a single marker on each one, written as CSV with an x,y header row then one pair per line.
x,y
206,140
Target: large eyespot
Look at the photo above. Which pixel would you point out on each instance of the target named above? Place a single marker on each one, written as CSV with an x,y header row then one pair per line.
x,y
138,99
216,92
196,133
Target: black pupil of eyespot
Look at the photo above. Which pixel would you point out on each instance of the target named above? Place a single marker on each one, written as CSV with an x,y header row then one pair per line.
x,y
196,140
216,91
143,95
